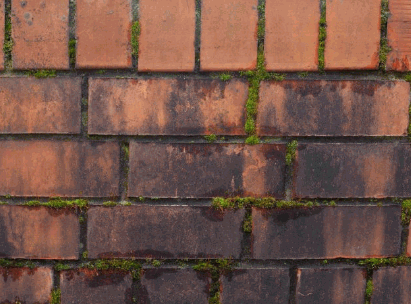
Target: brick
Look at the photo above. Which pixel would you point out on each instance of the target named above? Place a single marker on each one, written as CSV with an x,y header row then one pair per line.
x,y
92,286
327,232
55,168
228,35
291,35
391,285
353,170
333,108
182,107
144,232
255,285
166,41
174,286
206,170
30,105
40,34
330,285
103,29
25,285
353,34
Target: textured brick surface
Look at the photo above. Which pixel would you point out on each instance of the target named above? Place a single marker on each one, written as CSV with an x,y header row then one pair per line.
x,y
391,285
166,41
40,34
181,107
30,105
326,232
103,34
206,170
24,285
255,285
330,285
228,35
291,35
164,232
353,34
333,108
57,168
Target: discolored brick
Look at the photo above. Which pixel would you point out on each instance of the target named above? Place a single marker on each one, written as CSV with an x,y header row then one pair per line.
x,y
326,232
333,108
103,29
331,285
166,41
255,285
55,168
391,285
228,35
353,34
291,35
182,107
164,232
206,170
40,34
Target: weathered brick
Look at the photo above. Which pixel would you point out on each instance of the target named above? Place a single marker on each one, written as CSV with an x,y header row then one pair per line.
x,y
40,34
228,35
30,105
391,285
255,285
56,168
144,231
353,170
291,35
25,285
103,34
353,34
95,287
333,108
206,170
174,286
182,107
326,232
330,285
166,41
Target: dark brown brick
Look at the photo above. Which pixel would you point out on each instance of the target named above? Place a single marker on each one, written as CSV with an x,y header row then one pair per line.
x,y
327,232
353,170
255,285
391,285
182,107
164,232
206,170
330,285
333,108
25,285
57,168
174,286
95,287
30,105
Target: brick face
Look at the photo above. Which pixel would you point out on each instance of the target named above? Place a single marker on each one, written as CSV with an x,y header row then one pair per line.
x,y
391,285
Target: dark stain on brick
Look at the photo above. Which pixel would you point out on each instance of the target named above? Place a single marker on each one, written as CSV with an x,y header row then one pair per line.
x,y
142,294
212,214
402,171
367,88
6,248
15,273
235,272
283,216
148,253
104,278
152,274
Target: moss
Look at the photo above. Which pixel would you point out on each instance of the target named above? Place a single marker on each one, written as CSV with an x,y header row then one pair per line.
x,y
375,263
303,74
406,212
42,73
126,204
248,222
55,296
84,119
211,138
17,264
8,40
368,291
58,203
61,267
84,102
156,263
141,199
101,72
384,48
72,51
122,265
325,262
3,203
225,76
135,34
252,140
322,37
81,219
221,203
291,151
85,255
110,204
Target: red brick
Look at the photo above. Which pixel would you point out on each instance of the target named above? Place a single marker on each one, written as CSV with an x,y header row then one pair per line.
x,y
103,34
327,232
391,285
333,108
144,232
166,41
24,285
291,35
353,34
228,35
40,34
182,107
206,170
2,23
30,105
56,168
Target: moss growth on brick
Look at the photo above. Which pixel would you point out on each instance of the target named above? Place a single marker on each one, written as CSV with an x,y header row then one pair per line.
x,y
210,138
72,51
6,263
322,37
252,140
55,296
406,212
291,151
132,266
221,203
58,203
110,204
368,291
248,222
135,34
384,48
302,74
62,266
42,73
375,263
85,255
225,76
8,40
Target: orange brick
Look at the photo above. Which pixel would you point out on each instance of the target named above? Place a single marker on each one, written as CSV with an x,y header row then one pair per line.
x,y
103,34
291,35
40,34
228,35
167,35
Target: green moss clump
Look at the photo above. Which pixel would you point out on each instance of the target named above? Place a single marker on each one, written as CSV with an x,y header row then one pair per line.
x,y
384,48
61,267
221,203
303,74
211,138
156,263
3,203
85,255
291,151
406,212
368,291
58,203
72,51
42,73
252,140
135,34
55,296
122,265
8,39
5,263
248,222
375,263
322,37
225,76
110,204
